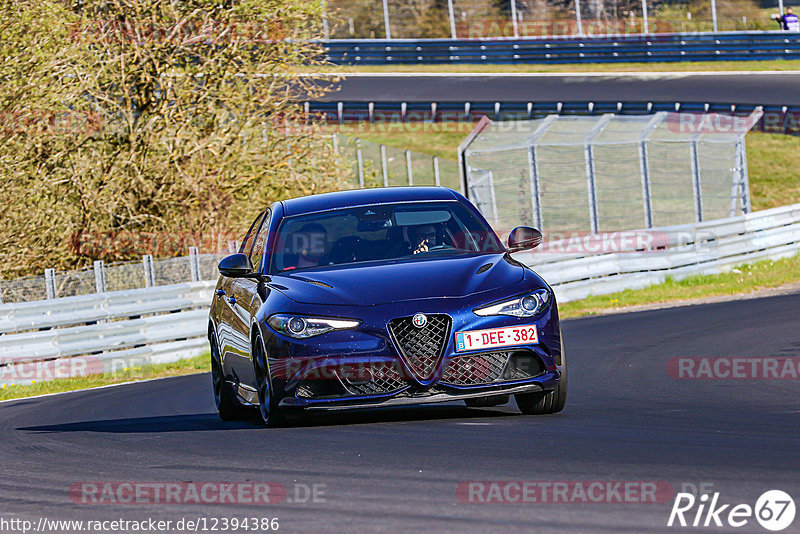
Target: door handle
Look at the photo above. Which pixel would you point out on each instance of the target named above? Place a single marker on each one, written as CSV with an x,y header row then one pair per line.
x,y
232,300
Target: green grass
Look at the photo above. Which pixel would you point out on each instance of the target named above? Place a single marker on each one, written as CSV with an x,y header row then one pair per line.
x,y
198,364
682,66
773,169
743,279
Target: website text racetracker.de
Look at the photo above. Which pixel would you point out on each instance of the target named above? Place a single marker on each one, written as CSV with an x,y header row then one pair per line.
x,y
184,524
564,492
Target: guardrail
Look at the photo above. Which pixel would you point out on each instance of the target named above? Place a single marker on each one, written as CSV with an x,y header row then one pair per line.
x,y
730,46
776,119
102,332
125,329
710,247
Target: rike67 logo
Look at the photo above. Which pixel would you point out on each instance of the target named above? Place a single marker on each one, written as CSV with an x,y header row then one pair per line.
x,y
774,510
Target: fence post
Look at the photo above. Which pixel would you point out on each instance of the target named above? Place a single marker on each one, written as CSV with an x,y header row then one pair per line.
x,y
409,172
578,21
386,19
591,185
452,19
360,162
436,178
533,170
698,194
714,15
335,144
514,18
149,272
100,276
50,283
745,178
645,25
384,166
644,167
194,263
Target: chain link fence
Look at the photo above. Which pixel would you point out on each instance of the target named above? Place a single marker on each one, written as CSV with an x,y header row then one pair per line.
x,y
377,165
467,19
610,172
101,278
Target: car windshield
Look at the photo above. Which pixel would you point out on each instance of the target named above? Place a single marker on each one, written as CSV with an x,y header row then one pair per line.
x,y
378,233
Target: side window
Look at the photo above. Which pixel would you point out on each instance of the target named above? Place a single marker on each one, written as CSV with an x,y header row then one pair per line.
x,y
247,244
260,242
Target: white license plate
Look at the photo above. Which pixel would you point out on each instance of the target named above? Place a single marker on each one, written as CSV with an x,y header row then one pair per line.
x,y
496,337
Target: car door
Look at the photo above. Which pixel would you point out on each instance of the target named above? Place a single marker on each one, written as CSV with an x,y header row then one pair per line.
x,y
244,303
229,344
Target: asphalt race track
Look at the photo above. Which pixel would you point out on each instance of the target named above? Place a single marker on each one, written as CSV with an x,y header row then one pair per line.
x,y
626,420
762,88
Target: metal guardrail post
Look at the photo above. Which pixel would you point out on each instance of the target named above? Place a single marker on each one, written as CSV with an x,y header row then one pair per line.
x,y
99,276
514,23
436,179
386,19
50,283
149,272
384,166
360,162
409,172
696,189
533,171
194,263
744,175
645,25
644,167
714,15
452,17
591,185
494,198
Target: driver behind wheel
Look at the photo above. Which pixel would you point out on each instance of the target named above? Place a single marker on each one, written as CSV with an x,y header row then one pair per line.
x,y
424,237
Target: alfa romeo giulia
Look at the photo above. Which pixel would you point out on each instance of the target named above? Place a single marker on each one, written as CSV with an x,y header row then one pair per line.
x,y
380,297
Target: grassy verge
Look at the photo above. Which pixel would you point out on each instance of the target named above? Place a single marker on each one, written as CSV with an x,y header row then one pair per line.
x,y
199,364
743,279
683,66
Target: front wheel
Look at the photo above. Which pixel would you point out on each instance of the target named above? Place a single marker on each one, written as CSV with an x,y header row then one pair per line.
x,y
228,407
544,402
271,413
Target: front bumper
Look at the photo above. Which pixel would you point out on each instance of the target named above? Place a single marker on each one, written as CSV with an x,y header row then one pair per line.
x,y
308,373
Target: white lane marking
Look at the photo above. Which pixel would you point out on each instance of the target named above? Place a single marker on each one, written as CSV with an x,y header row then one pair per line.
x,y
93,389
475,424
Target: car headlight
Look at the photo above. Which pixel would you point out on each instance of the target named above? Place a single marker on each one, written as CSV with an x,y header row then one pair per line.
x,y
300,327
526,305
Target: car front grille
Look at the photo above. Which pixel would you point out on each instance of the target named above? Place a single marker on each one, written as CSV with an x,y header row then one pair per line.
x,y
421,347
477,369
352,380
472,369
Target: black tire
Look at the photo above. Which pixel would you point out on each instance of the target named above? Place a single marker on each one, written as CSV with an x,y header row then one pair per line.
x,y
271,414
544,402
486,402
228,407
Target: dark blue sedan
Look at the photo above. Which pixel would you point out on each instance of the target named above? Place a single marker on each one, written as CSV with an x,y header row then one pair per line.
x,y
380,297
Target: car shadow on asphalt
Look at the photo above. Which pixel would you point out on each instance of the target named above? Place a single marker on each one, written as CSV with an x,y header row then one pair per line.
x,y
210,421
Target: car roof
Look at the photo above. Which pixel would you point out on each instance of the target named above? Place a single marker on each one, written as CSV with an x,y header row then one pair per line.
x,y
362,197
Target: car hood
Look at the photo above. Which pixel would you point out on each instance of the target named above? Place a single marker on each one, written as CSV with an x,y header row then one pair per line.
x,y
386,282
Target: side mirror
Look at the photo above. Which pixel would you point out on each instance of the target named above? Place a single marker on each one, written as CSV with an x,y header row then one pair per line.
x,y
524,238
236,266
